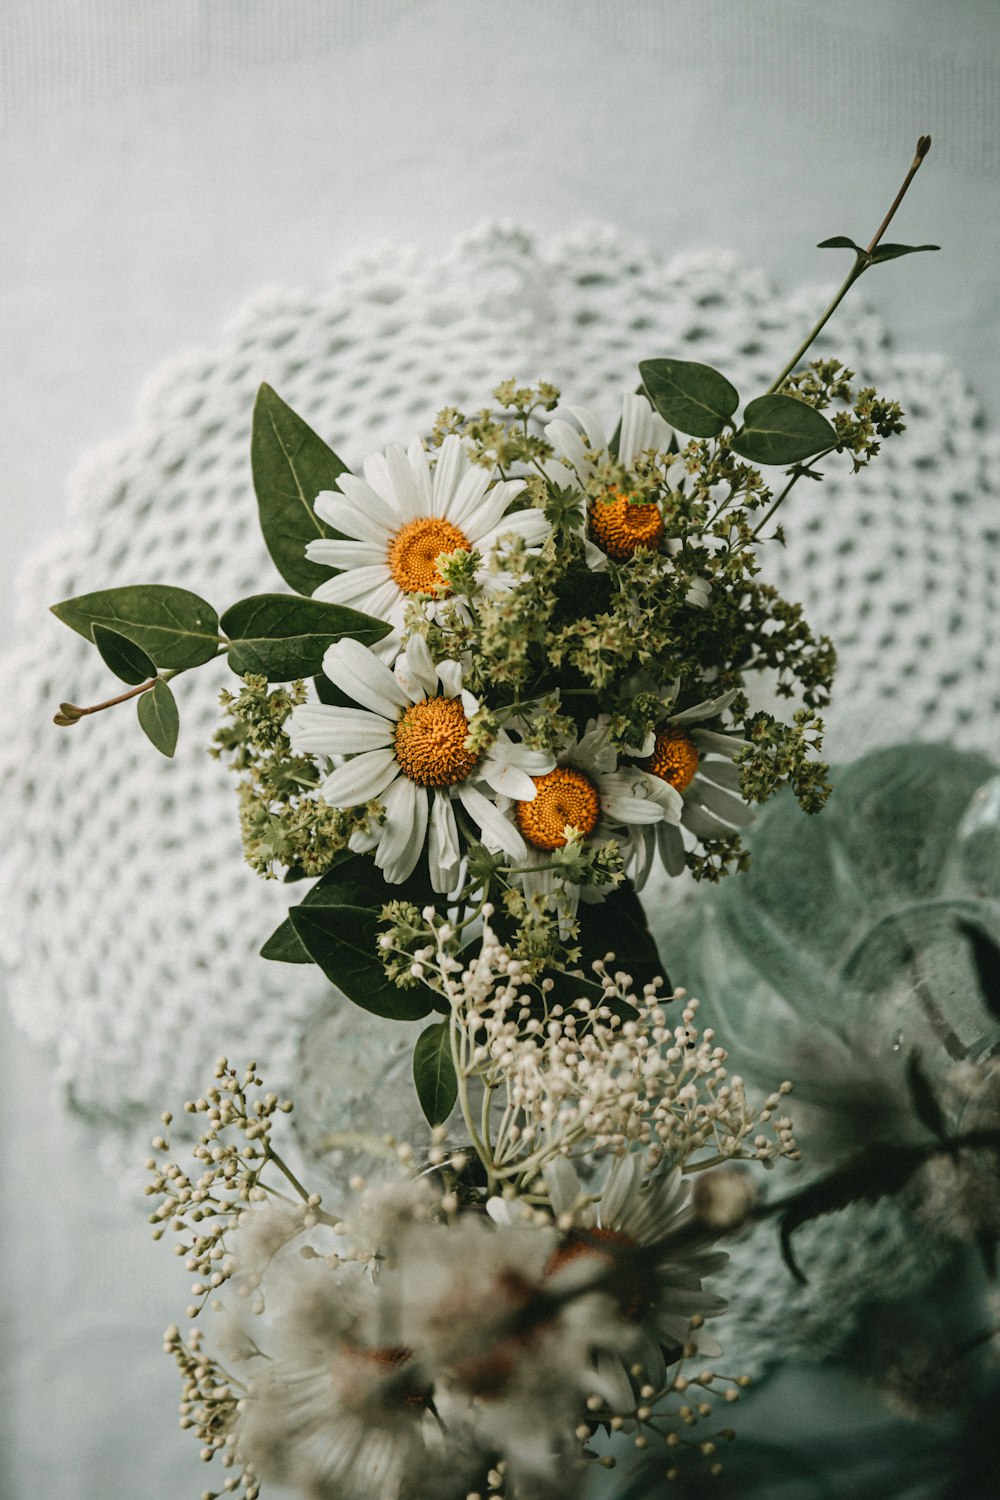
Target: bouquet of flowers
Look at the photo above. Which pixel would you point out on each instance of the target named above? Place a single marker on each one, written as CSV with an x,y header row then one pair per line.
x,y
523,669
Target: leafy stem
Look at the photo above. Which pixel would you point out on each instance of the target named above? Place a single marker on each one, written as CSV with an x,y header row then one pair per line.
x,y
863,259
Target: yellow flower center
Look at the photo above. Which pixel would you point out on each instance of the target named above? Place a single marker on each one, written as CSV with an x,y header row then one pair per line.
x,y
618,526
564,798
674,758
414,550
430,743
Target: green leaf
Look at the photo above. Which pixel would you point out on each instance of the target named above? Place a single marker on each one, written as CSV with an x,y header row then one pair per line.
x,y
782,430
159,717
284,946
693,397
283,636
893,252
434,1073
343,939
876,256
176,628
840,242
291,465
127,660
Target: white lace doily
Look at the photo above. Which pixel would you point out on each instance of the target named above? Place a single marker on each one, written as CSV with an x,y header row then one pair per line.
x,y
131,926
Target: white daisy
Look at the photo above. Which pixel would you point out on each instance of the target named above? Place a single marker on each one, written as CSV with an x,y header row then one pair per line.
x,y
693,767
616,526
402,515
406,746
657,1297
588,791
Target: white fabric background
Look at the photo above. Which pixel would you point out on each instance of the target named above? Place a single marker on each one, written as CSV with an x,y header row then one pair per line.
x,y
159,164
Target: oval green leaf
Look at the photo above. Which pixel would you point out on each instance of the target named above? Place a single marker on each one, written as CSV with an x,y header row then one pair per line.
x,y
342,940
782,430
692,397
291,465
893,252
283,636
127,660
434,1073
159,718
176,629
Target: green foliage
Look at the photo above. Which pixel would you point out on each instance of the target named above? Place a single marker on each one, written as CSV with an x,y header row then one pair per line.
x,y
174,627
127,660
159,718
873,257
782,430
434,1073
341,935
283,822
283,637
692,397
291,466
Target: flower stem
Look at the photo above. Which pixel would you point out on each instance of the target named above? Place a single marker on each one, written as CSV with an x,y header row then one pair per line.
x,y
861,264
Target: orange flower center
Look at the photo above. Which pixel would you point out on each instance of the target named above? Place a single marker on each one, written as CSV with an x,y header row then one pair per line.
x,y
564,798
430,743
618,526
415,549
674,758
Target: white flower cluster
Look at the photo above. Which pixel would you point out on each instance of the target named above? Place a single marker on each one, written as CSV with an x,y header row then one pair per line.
x,y
594,1076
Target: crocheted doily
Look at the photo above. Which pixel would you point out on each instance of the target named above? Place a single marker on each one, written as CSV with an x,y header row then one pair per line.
x,y
131,926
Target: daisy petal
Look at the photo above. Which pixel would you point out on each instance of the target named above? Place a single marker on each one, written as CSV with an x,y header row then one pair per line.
x,y
563,1185
591,425
354,517
465,503
357,583
448,470
530,525
507,779
416,455
360,674
414,670
497,830
671,847
403,831
724,744
360,779
344,554
443,849
370,507
320,728
642,428
722,804
707,710
620,1187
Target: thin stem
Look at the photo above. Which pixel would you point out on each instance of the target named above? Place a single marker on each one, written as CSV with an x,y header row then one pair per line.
x,y
71,711
797,475
861,264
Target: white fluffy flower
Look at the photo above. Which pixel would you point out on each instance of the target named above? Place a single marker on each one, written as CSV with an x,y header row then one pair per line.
x,y
615,525
339,1409
692,767
406,745
475,1298
658,1298
589,791
402,515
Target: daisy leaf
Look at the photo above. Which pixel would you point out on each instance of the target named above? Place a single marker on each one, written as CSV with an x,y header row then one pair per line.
x,y
291,465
